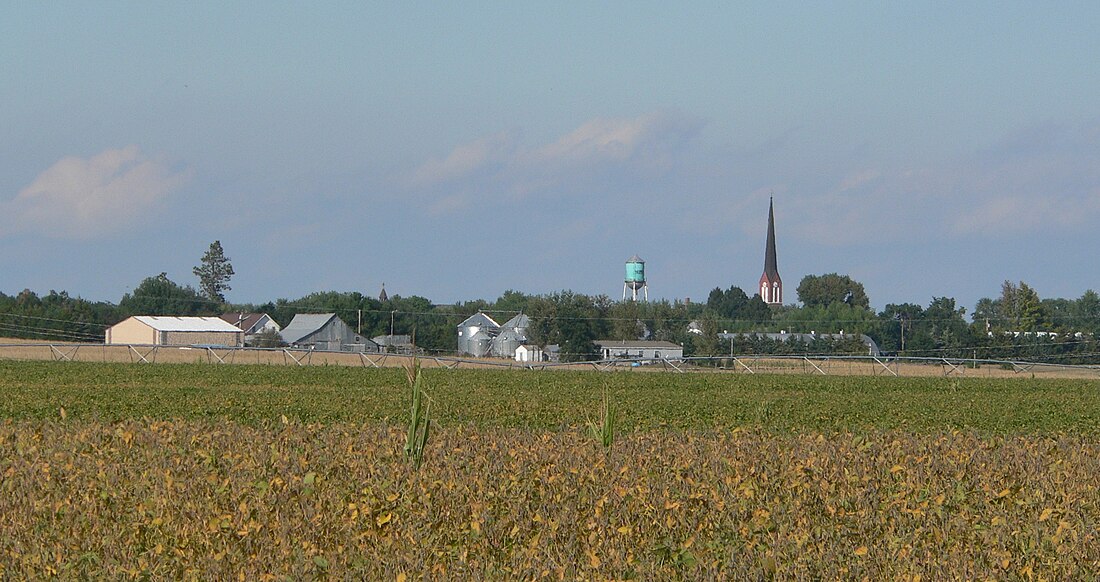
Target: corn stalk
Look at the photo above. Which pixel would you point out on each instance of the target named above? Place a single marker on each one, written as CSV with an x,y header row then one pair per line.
x,y
419,415
604,431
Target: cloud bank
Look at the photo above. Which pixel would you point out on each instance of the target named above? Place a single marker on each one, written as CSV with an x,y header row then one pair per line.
x,y
78,198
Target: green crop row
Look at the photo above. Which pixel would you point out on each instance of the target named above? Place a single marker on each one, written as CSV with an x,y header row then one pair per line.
x,y
557,400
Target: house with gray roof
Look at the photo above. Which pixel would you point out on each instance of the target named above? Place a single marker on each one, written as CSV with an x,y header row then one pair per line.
x,y
252,324
325,332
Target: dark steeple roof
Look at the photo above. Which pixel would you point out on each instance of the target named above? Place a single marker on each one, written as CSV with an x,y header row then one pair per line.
x,y
382,296
771,269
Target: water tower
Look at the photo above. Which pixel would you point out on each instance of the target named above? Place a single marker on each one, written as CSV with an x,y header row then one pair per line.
x,y
635,278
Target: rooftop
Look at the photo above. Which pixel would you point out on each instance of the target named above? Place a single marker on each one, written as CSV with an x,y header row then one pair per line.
x,y
172,323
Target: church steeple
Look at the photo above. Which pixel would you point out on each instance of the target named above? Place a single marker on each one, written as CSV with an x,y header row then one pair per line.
x,y
382,296
771,286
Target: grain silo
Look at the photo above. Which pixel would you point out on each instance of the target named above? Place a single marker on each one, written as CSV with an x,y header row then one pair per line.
x,y
476,333
513,334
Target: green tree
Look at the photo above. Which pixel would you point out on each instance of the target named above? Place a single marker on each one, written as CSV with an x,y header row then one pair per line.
x,y
737,311
56,316
1021,307
1086,314
946,326
897,327
824,290
571,320
707,343
159,295
626,321
214,272
727,304
511,301
987,315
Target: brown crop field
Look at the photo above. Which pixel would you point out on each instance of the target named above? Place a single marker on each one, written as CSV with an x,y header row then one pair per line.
x,y
202,472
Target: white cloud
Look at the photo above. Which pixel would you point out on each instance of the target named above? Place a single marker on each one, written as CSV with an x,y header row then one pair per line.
x,y
80,198
466,159
498,166
615,139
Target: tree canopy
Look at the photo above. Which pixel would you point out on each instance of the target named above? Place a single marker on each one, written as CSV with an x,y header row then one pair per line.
x,y
824,290
159,295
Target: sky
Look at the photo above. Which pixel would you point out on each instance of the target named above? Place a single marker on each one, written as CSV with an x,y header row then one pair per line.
x,y
925,149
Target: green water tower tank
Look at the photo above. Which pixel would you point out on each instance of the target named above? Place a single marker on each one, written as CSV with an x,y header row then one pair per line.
x,y
635,278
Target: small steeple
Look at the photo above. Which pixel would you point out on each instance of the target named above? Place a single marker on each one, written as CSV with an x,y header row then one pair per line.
x,y
382,296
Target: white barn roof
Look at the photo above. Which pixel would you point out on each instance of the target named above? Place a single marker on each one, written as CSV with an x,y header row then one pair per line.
x,y
169,323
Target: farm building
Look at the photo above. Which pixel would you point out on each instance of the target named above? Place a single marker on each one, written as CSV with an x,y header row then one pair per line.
x,y
396,344
325,331
476,333
513,334
174,331
252,324
529,353
611,349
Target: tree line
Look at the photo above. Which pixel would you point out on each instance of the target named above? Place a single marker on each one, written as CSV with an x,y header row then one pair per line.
x,y
1016,324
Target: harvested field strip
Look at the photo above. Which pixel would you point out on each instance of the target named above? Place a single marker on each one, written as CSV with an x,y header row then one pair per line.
x,y
213,500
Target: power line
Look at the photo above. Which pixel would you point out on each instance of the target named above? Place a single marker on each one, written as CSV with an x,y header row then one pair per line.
x,y
72,321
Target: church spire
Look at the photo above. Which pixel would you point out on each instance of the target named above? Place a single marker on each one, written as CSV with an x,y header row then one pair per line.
x,y
771,286
382,296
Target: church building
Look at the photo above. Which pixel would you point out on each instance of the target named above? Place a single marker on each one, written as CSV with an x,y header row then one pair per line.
x,y
771,286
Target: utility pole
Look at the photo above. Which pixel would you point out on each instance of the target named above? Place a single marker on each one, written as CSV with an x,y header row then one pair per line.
x,y
902,334
359,328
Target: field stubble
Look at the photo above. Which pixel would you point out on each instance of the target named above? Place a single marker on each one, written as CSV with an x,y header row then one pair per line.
x,y
200,472
200,500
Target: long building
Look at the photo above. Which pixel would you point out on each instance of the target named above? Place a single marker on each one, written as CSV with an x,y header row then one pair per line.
x,y
155,330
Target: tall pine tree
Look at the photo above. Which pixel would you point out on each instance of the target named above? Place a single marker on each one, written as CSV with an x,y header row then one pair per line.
x,y
214,272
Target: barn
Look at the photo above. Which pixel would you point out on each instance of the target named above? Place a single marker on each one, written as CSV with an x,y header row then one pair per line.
x,y
325,331
157,330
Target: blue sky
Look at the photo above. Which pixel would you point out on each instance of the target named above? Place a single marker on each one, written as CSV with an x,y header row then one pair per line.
x,y
925,149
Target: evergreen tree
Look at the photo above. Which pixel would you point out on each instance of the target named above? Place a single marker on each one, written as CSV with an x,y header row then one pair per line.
x,y
214,272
